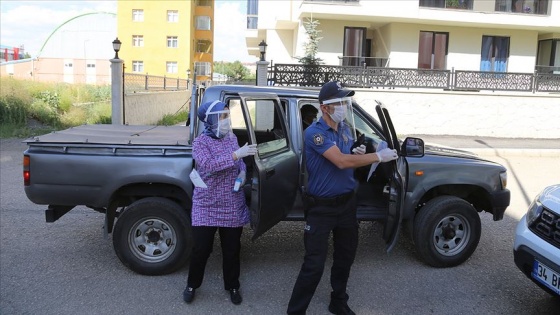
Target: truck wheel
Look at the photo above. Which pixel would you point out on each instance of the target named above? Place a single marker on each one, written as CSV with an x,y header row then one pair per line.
x,y
446,231
153,236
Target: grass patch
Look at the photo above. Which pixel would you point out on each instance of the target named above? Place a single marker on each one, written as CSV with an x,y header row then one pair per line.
x,y
173,119
29,108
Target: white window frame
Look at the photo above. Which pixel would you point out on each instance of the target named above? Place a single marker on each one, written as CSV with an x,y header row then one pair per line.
x,y
172,41
138,15
203,68
171,67
172,16
203,23
137,66
138,40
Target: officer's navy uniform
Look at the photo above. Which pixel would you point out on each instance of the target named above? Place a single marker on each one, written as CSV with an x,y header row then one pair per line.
x,y
332,208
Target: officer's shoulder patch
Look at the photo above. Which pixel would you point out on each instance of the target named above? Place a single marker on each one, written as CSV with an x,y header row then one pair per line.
x,y
318,139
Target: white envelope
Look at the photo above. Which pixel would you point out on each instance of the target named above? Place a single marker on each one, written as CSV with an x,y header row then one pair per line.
x,y
196,180
382,145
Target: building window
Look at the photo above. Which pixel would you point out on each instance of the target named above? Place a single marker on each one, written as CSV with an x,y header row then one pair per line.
x,y
172,42
203,23
137,66
252,14
203,68
204,46
432,50
548,56
68,65
449,4
171,66
138,15
172,16
354,46
522,6
138,40
494,53
204,3
91,65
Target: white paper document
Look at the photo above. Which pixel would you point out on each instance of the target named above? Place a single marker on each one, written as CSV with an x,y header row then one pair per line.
x,y
196,180
382,145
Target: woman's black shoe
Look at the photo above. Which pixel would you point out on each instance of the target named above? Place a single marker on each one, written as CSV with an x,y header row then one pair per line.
x,y
235,296
188,295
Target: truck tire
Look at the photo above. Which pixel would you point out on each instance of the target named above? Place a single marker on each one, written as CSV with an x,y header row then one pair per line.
x,y
152,236
446,231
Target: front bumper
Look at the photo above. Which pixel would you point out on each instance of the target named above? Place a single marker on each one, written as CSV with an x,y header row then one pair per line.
x,y
528,247
500,202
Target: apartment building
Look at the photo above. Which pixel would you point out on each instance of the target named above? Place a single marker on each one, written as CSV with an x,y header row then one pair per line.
x,y
476,35
167,38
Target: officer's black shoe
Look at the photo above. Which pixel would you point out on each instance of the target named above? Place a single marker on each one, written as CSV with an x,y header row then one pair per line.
x,y
188,295
340,309
235,296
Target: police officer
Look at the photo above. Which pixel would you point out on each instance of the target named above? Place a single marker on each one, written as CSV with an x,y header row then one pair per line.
x,y
331,156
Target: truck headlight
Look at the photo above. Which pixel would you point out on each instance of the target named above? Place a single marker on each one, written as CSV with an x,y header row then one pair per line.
x,y
503,178
534,212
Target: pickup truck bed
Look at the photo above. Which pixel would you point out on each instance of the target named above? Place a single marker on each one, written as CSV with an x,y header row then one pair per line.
x,y
117,135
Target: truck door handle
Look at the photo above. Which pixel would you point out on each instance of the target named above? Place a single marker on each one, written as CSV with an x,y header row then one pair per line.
x,y
269,172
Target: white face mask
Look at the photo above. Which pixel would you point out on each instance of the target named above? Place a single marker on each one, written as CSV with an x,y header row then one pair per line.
x,y
339,113
224,126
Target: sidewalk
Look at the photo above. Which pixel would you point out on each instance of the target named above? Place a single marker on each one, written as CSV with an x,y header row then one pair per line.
x,y
498,146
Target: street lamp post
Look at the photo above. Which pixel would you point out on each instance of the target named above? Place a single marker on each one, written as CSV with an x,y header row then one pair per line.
x,y
262,65
117,89
262,49
116,47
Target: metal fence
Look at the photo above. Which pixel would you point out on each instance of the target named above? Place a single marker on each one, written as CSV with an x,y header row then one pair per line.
x,y
369,77
142,82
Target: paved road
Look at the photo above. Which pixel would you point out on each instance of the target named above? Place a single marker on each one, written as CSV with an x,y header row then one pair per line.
x,y
67,267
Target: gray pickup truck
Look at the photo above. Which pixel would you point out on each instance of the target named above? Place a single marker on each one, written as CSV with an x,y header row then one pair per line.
x,y
138,176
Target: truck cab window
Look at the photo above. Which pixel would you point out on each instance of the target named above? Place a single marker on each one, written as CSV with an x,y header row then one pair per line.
x,y
266,119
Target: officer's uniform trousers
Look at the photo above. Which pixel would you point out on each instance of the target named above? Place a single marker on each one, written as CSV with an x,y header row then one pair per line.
x,y
321,220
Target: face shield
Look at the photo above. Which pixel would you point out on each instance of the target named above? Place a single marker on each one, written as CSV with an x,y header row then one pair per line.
x,y
219,121
340,111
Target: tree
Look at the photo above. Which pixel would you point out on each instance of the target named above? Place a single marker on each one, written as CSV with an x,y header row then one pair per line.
x,y
234,70
312,44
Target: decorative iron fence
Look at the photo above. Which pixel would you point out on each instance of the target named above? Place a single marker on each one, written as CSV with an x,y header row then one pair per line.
x,y
142,82
369,77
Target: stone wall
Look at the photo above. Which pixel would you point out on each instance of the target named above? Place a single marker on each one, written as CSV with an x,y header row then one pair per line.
x,y
149,108
422,112
484,114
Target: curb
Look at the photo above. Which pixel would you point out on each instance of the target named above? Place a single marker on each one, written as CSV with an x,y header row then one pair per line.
x,y
515,152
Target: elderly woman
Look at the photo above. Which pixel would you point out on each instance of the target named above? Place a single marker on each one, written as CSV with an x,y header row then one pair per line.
x,y
217,205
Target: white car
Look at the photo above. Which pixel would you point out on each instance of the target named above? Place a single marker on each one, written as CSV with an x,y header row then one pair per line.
x,y
536,249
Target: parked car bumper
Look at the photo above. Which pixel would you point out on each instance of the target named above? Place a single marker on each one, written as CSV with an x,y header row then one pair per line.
x,y
528,247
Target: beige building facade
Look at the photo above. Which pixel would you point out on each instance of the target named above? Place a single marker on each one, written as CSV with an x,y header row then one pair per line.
x,y
479,35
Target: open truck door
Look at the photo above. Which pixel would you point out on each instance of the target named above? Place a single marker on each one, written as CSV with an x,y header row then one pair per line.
x,y
276,168
397,182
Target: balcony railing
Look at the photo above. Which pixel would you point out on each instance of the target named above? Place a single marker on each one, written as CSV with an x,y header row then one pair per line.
x,y
142,82
447,4
363,61
369,77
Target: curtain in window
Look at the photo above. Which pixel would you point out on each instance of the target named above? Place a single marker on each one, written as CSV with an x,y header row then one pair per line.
x,y
486,53
502,47
425,50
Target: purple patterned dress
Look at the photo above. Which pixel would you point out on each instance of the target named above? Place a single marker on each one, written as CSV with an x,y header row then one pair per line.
x,y
218,205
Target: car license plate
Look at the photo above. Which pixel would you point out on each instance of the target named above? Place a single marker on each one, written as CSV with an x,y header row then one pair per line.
x,y
546,276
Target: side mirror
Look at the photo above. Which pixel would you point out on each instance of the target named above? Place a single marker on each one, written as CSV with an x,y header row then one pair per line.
x,y
413,147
